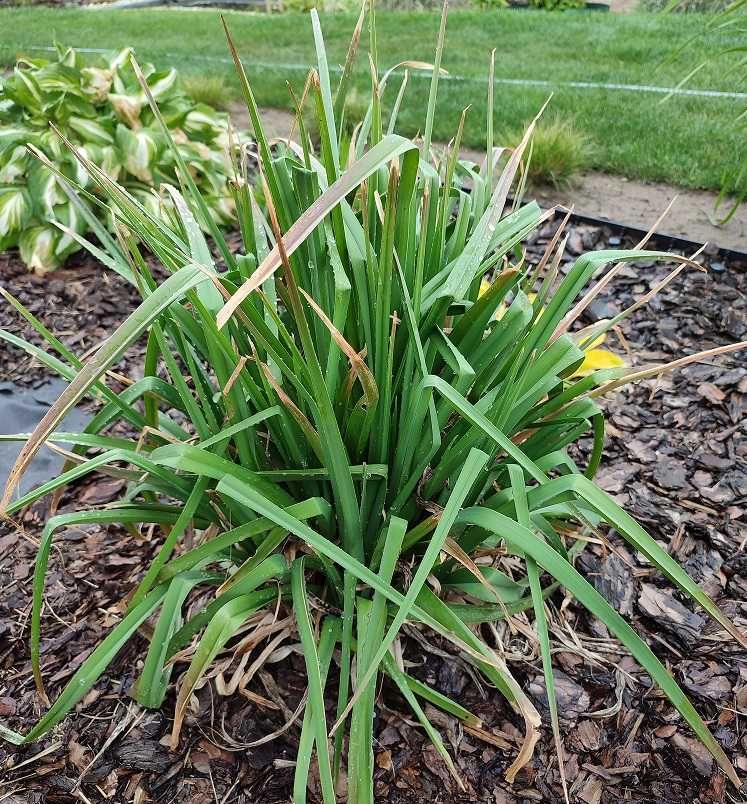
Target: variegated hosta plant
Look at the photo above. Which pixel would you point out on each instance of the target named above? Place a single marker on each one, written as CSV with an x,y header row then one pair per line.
x,y
353,429
101,108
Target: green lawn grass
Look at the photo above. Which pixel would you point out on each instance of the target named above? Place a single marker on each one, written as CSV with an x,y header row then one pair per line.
x,y
685,140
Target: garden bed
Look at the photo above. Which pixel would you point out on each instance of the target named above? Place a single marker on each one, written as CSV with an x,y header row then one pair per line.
x,y
676,458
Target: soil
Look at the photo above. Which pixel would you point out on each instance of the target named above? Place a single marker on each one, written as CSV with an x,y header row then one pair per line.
x,y
639,204
676,457
624,6
81,303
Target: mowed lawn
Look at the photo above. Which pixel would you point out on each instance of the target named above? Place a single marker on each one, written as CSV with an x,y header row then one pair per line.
x,y
685,140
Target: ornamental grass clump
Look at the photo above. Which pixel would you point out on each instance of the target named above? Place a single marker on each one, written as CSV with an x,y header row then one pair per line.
x,y
101,108
560,151
350,427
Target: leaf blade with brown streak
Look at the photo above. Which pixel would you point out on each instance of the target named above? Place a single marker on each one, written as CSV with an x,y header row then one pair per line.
x,y
174,288
388,149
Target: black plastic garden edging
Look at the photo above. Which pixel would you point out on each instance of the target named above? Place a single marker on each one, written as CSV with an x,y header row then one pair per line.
x,y
667,240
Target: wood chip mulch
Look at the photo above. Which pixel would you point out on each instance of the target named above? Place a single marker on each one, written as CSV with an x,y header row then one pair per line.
x,y
676,459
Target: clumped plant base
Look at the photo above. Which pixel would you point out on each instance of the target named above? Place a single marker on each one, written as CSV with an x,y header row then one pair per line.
x,y
352,427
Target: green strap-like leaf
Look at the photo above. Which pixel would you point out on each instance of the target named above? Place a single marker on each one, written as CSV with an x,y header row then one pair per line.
x,y
107,355
314,673
524,540
88,673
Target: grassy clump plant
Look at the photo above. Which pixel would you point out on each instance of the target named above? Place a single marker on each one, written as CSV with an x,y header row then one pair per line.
x,y
100,107
350,424
209,89
559,152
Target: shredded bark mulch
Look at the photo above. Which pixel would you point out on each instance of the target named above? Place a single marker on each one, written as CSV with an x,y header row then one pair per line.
x,y
676,458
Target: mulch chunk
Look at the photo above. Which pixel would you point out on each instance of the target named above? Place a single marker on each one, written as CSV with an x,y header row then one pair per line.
x,y
675,458
81,304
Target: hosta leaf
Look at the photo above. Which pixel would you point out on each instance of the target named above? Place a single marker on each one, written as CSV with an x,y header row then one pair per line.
x,y
15,213
96,82
127,108
109,159
11,134
70,221
13,164
90,131
59,77
120,59
161,82
44,189
38,246
202,122
102,110
23,90
139,150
